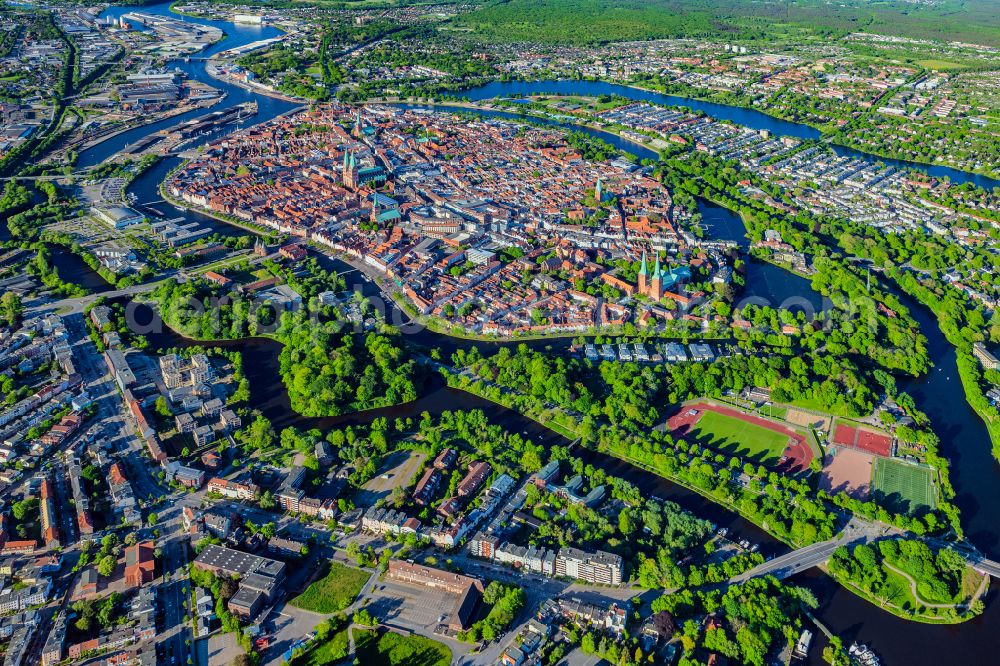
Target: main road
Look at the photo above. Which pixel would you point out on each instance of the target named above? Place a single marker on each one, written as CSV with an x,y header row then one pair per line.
x,y
855,532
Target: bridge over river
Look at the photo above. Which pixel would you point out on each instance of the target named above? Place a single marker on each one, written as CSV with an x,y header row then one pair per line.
x,y
856,532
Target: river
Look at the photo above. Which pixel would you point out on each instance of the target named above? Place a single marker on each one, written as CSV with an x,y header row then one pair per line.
x,y
975,474
754,119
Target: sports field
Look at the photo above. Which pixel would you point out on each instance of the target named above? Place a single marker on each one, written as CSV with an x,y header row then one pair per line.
x,y
863,438
904,486
740,437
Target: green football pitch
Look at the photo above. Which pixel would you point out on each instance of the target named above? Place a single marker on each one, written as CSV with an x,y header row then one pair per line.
x,y
904,486
736,436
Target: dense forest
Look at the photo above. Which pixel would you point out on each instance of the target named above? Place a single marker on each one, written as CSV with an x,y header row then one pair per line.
x,y
602,21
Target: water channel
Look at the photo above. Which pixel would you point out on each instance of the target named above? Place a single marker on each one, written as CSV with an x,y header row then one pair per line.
x,y
751,118
975,474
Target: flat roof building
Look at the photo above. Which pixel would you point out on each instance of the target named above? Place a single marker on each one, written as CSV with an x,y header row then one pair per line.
x,y
468,589
219,559
118,217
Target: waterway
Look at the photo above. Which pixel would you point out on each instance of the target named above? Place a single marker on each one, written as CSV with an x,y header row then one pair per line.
x,y
747,117
975,474
268,395
71,268
766,284
236,35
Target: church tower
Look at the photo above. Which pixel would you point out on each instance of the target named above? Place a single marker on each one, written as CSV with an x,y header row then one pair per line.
x,y
350,171
599,191
643,274
656,291
359,129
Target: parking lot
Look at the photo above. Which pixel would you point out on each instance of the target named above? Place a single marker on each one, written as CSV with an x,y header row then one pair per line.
x,y
415,608
287,626
396,470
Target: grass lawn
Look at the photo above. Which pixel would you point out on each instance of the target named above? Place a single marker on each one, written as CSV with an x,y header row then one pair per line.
x,y
816,406
773,412
971,580
897,591
739,437
940,65
335,591
329,652
392,649
900,595
904,486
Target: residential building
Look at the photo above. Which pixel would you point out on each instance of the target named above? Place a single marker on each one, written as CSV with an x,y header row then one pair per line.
x,y
598,567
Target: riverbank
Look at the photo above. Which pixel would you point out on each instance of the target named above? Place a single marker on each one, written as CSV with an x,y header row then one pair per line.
x,y
749,117
215,215
95,142
824,133
967,364
930,615
518,113
211,70
547,419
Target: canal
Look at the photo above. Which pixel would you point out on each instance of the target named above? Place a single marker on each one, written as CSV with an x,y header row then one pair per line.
x,y
975,474
71,268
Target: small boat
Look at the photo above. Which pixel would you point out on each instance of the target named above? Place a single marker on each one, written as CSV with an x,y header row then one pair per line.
x,y
862,654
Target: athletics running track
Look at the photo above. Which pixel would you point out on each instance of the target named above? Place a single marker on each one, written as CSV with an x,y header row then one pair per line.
x,y
798,452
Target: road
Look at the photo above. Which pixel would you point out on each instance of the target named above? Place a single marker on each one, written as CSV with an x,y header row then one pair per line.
x,y
856,532
174,592
110,416
175,596
987,567
77,304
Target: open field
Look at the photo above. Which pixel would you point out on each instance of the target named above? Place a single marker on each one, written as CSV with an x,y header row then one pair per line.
x,y
847,471
391,649
940,65
335,591
904,486
735,432
330,652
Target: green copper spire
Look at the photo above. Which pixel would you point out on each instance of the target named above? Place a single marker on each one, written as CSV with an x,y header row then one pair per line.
x,y
656,270
643,269
598,194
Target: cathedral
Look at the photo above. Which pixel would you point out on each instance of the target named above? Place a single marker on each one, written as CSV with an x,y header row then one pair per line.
x,y
654,284
651,285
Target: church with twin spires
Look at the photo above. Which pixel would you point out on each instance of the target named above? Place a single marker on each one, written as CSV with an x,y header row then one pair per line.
x,y
651,285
